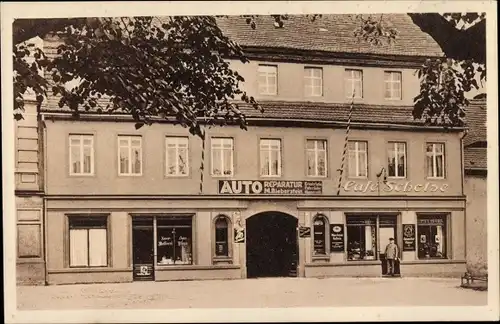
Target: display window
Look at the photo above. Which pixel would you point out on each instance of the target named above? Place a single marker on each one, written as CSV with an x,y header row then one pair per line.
x,y
431,233
320,230
174,240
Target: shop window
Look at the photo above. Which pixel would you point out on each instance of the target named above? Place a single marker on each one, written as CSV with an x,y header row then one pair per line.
x,y
177,156
130,155
174,240
435,160
316,158
357,159
396,159
81,157
353,83
431,233
361,238
320,229
88,241
222,236
270,157
313,82
222,156
268,79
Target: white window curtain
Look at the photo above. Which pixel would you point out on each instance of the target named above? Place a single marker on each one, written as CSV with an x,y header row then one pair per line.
x,y
97,247
78,247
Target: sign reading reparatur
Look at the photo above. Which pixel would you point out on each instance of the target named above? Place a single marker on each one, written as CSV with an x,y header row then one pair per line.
x,y
269,187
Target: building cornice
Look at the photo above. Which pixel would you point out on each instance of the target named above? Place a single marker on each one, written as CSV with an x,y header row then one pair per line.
x,y
335,58
254,121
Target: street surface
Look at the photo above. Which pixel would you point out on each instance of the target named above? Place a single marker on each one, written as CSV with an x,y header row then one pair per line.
x,y
264,292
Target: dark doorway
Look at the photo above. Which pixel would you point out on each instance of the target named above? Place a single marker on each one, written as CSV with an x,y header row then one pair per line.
x,y
142,248
271,245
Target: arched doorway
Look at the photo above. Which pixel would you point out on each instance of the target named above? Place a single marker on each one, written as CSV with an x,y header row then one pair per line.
x,y
271,245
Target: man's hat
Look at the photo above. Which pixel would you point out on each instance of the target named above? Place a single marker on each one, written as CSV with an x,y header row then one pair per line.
x,y
391,239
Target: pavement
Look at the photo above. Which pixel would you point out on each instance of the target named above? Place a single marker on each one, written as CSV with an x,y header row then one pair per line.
x,y
242,293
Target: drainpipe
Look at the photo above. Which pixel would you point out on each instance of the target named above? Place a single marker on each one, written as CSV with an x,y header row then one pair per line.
x,y
462,170
44,182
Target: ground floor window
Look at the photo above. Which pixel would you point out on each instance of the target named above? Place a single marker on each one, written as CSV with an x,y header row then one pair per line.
x,y
88,241
174,240
431,231
222,236
361,238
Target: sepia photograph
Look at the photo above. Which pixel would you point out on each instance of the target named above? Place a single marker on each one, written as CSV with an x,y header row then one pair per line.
x,y
261,161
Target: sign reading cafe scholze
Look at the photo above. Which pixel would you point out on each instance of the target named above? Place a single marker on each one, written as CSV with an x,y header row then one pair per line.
x,y
269,187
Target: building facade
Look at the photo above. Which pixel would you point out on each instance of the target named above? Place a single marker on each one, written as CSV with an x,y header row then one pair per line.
x,y
475,187
122,204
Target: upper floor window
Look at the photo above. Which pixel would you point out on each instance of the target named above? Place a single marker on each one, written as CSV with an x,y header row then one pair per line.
x,y
81,158
270,157
88,243
268,79
316,158
176,156
130,155
222,156
358,159
396,159
392,85
313,82
353,83
435,160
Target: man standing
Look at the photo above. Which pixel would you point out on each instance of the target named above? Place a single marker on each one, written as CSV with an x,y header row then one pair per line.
x,y
391,254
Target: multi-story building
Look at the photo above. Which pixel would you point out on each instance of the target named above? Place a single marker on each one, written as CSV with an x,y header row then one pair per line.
x,y
123,204
475,187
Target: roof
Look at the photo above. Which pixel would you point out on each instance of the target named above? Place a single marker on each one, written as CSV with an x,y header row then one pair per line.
x,y
475,158
329,33
475,121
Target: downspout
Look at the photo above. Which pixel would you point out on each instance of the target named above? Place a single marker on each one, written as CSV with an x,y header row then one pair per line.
x,y
462,170
44,191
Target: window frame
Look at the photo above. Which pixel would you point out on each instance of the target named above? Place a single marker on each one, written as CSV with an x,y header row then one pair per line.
x,y
434,158
310,78
177,148
156,227
316,151
268,151
229,256
222,175
445,227
130,147
396,152
266,73
350,81
390,82
357,151
108,249
326,238
81,146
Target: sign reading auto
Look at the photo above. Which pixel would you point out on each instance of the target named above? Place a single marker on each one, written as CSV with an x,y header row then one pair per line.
x,y
269,187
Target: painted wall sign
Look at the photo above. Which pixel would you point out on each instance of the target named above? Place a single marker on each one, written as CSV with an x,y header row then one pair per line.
x,y
336,237
408,237
143,270
391,186
304,231
269,187
239,235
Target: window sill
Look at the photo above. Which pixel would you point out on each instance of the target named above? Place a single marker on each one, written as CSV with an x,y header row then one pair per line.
x,y
321,257
87,270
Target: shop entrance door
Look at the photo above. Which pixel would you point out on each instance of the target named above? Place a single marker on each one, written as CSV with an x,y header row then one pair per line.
x,y
143,248
271,245
387,229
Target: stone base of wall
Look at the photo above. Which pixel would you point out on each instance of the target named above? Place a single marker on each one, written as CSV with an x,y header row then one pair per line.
x,y
441,269
202,273
30,273
61,277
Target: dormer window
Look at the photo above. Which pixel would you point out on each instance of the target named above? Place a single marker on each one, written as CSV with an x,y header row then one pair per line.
x,y
313,82
392,82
